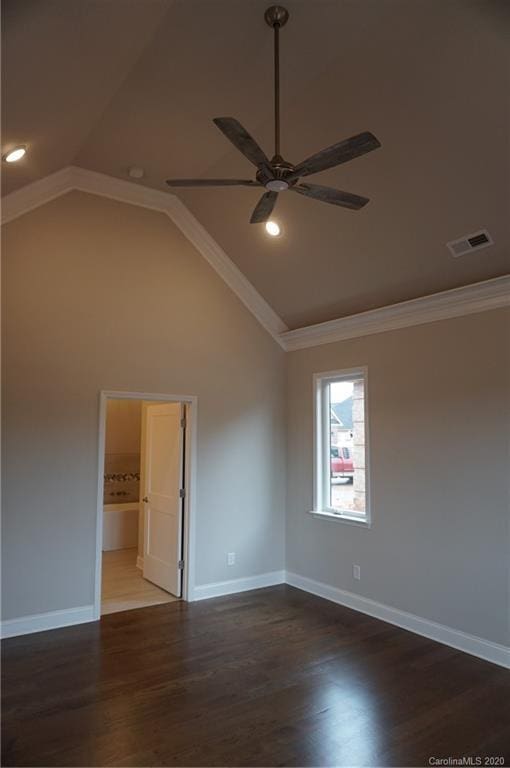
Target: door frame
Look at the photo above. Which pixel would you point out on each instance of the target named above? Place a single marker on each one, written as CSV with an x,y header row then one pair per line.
x,y
190,476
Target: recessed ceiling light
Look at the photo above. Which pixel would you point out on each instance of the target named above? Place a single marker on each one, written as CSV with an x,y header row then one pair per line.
x,y
272,228
15,154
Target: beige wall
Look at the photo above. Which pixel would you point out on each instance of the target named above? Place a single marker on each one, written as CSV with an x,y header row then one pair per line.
x,y
102,295
123,426
439,545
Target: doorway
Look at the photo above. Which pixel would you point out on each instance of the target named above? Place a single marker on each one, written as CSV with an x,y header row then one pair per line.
x,y
144,553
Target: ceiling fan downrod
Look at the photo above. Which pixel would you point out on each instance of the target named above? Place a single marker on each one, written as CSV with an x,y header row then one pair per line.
x,y
276,16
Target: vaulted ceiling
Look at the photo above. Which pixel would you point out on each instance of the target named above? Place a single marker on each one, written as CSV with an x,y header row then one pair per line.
x,y
108,84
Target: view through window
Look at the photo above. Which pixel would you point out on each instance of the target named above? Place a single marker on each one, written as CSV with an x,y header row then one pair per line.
x,y
342,449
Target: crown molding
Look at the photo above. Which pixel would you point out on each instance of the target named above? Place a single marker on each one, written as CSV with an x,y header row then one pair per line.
x,y
73,178
35,194
478,297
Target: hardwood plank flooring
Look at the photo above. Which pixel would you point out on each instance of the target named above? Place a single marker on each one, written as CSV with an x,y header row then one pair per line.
x,y
123,586
265,678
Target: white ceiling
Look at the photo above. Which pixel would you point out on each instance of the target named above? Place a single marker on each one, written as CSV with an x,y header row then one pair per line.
x,y
106,85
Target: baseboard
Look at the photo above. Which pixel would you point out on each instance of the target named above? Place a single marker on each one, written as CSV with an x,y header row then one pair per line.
x,y
40,622
216,589
139,563
462,641
54,619
476,646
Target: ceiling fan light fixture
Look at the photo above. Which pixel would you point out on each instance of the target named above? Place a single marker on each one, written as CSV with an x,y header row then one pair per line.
x,y
277,185
15,154
273,229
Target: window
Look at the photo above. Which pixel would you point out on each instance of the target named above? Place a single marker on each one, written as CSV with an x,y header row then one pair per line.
x,y
341,445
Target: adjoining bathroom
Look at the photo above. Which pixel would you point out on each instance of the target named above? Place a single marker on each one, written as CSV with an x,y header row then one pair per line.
x,y
142,440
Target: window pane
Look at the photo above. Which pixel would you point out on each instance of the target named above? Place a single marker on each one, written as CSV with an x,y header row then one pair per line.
x,y
347,446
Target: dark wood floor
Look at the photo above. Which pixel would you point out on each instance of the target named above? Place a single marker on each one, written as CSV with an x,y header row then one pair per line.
x,y
267,678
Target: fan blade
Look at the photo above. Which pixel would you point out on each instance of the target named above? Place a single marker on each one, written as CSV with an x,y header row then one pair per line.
x,y
330,195
212,183
264,208
242,140
337,154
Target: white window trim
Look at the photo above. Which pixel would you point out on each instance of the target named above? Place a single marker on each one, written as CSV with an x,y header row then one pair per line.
x,y
321,448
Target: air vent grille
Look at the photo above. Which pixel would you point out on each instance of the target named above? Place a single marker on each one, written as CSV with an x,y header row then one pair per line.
x,y
478,240
469,243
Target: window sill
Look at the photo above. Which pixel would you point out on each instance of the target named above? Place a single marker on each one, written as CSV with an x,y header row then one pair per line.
x,y
342,518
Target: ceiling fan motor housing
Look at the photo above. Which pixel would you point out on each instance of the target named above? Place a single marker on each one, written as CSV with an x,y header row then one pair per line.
x,y
280,169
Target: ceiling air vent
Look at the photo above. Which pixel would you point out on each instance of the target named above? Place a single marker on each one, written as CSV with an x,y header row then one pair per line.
x,y
470,243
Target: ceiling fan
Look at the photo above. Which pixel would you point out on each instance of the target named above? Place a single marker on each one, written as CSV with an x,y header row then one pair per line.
x,y
277,175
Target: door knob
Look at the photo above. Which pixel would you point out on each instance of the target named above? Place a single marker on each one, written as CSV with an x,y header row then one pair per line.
x,y
146,499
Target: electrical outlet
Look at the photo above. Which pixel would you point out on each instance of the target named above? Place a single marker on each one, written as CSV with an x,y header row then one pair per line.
x,y
231,558
356,572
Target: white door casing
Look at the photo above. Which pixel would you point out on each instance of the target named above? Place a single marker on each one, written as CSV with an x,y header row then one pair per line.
x,y
163,504
190,403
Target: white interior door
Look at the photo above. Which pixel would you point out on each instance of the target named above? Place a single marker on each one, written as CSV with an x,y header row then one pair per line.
x,y
163,480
